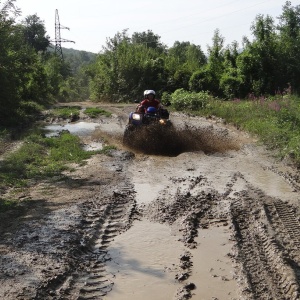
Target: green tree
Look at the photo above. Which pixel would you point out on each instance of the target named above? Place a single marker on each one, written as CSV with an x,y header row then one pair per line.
x,y
125,68
259,62
9,96
148,39
208,78
289,30
182,60
231,80
34,32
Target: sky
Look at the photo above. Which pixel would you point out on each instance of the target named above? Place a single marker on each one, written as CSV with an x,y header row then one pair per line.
x,y
91,22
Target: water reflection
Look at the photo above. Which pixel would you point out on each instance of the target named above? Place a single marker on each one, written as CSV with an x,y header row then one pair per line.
x,y
79,128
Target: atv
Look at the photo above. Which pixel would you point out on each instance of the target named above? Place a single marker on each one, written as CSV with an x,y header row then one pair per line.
x,y
150,121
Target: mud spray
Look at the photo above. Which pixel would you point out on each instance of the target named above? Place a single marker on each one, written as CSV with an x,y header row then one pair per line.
x,y
171,141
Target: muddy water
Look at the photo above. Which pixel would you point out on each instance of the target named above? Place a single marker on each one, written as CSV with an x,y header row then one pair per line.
x,y
211,217
213,271
143,263
161,177
78,128
81,129
143,258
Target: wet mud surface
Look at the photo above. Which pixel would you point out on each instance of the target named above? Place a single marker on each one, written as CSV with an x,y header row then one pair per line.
x,y
199,211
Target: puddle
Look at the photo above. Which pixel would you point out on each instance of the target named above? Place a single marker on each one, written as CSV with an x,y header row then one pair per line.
x,y
79,128
146,192
143,264
271,183
212,271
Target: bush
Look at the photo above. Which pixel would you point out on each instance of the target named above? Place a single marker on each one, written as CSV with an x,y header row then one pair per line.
x,y
182,100
27,112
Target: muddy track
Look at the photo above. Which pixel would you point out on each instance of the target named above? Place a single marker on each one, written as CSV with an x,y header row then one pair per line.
x,y
266,232
86,277
205,214
267,238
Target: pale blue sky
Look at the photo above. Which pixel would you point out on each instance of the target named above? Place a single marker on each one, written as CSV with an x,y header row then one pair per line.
x,y
92,21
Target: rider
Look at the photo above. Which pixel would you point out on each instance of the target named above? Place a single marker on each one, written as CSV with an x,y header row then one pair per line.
x,y
149,100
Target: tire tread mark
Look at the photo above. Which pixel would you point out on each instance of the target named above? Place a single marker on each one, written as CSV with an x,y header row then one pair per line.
x,y
86,277
265,267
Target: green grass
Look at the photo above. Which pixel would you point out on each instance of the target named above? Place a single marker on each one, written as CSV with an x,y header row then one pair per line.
x,y
94,112
65,112
41,157
275,120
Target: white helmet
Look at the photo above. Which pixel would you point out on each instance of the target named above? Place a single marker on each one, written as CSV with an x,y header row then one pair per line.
x,y
148,92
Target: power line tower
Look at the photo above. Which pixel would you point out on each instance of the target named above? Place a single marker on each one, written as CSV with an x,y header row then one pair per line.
x,y
58,39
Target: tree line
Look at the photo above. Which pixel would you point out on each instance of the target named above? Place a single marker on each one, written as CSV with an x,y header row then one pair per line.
x,y
32,76
268,64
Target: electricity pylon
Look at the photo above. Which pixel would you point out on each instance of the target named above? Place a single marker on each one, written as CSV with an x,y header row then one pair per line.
x,y
58,39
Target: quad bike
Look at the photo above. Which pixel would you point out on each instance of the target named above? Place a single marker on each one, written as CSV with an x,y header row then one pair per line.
x,y
151,120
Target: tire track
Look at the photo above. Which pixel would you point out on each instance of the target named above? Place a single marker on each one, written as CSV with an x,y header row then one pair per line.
x,y
269,270
289,222
86,277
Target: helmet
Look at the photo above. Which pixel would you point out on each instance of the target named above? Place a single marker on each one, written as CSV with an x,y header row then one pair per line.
x,y
148,92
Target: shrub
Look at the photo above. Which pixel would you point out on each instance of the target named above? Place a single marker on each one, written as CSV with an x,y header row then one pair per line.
x,y
182,99
27,112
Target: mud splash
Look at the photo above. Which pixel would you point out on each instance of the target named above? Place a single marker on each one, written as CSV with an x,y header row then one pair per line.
x,y
172,141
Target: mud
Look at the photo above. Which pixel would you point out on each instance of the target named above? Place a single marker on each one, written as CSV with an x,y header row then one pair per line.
x,y
199,211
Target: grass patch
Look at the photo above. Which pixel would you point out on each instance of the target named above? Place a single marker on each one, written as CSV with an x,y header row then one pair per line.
x,y
41,157
65,112
275,120
94,112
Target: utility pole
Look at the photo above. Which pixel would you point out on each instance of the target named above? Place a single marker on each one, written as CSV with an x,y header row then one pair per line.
x,y
58,39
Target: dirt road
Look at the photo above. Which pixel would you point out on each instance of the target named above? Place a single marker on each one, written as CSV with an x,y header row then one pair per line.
x,y
211,215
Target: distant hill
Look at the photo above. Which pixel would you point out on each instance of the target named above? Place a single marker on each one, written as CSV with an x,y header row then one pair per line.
x,y
76,58
71,51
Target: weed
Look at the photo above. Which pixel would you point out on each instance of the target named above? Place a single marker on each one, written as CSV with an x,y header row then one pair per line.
x,y
94,112
41,157
275,120
107,150
65,112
